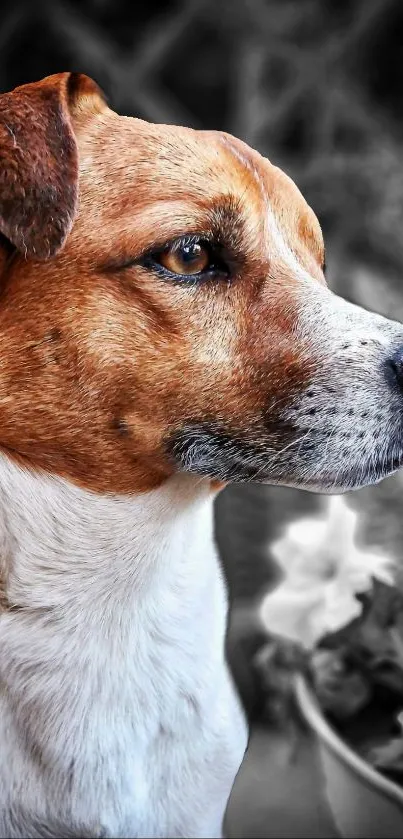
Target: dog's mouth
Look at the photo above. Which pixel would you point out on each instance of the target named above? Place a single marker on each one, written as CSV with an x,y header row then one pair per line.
x,y
344,479
300,461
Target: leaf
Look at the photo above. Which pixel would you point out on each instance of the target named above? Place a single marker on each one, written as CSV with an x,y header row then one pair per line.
x,y
341,691
383,604
388,758
275,664
374,640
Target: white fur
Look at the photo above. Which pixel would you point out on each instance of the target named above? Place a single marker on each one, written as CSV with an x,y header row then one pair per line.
x,y
117,713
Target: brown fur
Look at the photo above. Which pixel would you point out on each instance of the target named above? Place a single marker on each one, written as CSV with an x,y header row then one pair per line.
x,y
99,363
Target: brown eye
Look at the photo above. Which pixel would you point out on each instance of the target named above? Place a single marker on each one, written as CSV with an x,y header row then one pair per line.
x,y
192,258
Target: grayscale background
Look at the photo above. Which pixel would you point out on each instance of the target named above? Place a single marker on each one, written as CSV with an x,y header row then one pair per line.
x,y
316,86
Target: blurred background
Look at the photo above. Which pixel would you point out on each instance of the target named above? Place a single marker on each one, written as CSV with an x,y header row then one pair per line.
x,y
316,86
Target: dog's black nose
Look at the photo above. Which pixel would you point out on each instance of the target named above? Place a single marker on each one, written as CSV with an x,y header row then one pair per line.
x,y
395,363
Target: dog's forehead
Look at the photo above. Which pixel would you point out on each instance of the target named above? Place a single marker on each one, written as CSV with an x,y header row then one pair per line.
x,y
154,158
175,171
184,159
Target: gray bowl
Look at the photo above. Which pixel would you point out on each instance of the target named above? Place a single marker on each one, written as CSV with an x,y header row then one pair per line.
x,y
362,801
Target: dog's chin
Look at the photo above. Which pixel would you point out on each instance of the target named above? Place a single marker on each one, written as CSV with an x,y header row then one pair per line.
x,y
332,481
221,457
332,484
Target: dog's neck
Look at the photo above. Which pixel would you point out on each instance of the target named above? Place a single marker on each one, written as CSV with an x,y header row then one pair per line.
x,y
112,624
63,547
121,573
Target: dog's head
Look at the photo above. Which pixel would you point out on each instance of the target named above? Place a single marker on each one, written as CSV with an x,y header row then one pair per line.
x,y
163,307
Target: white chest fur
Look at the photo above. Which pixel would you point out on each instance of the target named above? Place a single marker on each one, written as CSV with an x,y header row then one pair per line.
x,y
117,713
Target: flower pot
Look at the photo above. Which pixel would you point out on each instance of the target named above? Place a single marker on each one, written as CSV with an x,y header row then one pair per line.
x,y
363,803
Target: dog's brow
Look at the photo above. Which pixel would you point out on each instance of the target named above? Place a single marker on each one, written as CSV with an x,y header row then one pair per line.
x,y
221,221
227,222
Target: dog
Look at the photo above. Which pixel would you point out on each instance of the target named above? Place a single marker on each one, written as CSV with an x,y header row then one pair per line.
x,y
165,329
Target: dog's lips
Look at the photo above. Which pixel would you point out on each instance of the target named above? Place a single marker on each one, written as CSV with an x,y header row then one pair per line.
x,y
300,464
348,478
332,476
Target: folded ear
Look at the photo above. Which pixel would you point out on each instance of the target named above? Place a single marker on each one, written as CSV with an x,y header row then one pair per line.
x,y
39,161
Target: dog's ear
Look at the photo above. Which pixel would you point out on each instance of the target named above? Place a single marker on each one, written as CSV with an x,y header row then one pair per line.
x,y
39,161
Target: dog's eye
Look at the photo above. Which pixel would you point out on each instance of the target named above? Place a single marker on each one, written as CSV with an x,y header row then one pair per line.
x,y
188,257
185,258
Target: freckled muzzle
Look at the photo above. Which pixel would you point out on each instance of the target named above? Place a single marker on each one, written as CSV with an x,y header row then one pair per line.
x,y
350,418
343,430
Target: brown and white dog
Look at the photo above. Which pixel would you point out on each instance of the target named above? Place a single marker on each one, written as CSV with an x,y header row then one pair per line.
x,y
164,326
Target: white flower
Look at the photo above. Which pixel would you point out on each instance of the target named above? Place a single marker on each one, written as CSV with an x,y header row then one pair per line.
x,y
324,569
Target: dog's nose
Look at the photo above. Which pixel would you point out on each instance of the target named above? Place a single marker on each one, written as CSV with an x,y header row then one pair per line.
x,y
395,363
